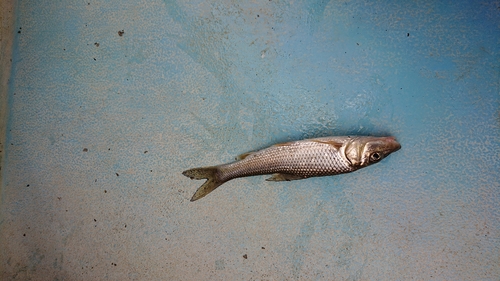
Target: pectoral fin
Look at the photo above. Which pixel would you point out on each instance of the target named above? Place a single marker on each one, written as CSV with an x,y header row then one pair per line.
x,y
285,177
333,143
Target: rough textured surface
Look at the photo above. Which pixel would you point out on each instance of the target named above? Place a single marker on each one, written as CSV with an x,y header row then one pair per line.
x,y
6,39
109,101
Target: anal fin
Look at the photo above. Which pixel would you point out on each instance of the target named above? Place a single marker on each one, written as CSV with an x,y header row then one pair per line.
x,y
285,177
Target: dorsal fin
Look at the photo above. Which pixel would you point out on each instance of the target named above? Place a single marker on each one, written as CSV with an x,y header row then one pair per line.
x,y
284,143
333,143
244,155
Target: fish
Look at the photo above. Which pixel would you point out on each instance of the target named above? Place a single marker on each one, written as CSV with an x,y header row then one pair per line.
x,y
296,160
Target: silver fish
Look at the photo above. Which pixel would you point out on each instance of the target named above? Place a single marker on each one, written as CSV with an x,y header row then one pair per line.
x,y
298,160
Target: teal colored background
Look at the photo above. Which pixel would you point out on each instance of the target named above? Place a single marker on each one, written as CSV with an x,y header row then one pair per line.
x,y
101,125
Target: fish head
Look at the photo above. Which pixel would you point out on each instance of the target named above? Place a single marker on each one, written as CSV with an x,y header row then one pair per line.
x,y
364,151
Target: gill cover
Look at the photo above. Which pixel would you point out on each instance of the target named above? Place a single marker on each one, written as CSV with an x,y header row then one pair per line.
x,y
364,151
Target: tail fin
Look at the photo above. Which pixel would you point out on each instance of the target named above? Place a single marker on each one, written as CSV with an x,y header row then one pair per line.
x,y
209,173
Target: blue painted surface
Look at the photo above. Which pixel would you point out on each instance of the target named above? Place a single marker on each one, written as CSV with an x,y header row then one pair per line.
x,y
101,125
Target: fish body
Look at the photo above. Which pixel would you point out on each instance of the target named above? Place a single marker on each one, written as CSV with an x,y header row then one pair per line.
x,y
298,160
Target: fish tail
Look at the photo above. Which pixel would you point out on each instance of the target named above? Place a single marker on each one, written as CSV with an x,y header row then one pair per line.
x,y
209,173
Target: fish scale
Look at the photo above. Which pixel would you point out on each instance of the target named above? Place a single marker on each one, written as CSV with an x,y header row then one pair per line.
x,y
306,159
298,160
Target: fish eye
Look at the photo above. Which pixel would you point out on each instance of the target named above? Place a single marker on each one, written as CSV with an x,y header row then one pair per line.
x,y
375,157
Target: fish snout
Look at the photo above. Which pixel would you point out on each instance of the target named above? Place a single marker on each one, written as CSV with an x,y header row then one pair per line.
x,y
393,143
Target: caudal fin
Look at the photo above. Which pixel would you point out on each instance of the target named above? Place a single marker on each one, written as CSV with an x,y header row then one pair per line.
x,y
209,173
